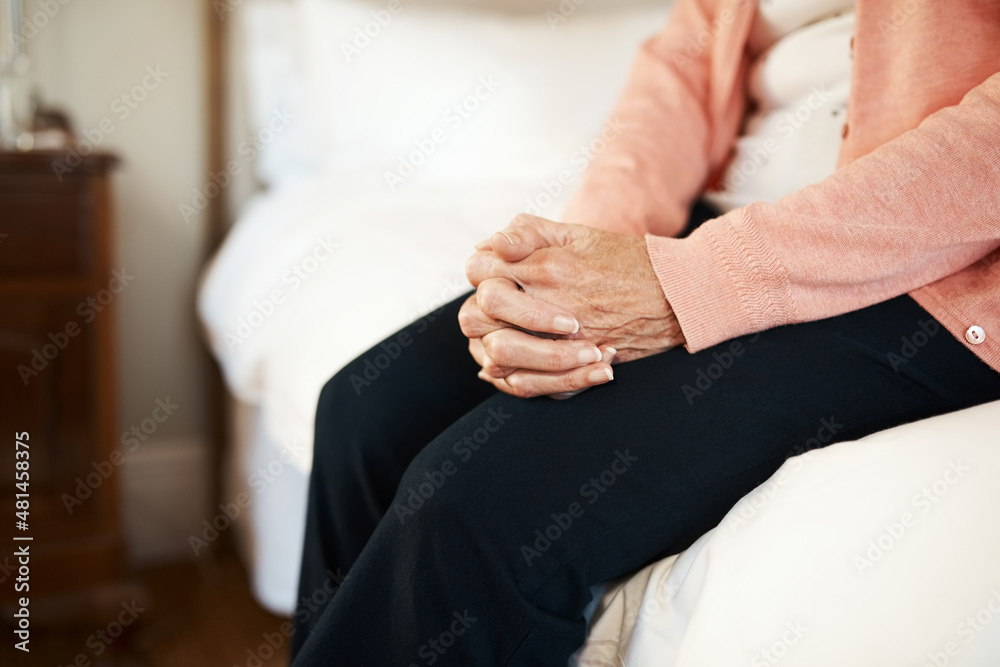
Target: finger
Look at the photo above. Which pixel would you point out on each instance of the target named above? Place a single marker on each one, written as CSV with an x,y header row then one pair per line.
x,y
527,233
527,384
609,356
474,322
487,264
489,367
511,348
500,300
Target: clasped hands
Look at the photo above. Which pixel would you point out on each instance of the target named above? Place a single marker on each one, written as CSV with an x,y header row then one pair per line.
x,y
556,303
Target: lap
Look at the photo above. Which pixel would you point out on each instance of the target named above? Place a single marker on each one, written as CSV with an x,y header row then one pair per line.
x,y
627,472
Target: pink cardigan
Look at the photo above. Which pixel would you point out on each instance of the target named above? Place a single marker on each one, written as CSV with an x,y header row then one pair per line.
x,y
914,206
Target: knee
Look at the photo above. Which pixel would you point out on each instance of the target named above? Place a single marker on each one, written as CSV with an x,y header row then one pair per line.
x,y
352,435
336,424
438,499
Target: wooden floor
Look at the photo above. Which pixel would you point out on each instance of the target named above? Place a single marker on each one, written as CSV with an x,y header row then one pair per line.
x,y
201,615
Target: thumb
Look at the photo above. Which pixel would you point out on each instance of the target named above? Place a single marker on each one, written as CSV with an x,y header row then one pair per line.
x,y
526,234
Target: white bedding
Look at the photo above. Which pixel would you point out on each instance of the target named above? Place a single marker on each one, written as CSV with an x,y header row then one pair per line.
x,y
884,551
395,259
399,252
370,261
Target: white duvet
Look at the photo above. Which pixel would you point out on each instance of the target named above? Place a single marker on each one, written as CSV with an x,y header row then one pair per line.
x,y
884,551
311,277
314,275
839,559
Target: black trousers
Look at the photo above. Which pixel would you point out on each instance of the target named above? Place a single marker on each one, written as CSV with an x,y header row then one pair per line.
x,y
470,525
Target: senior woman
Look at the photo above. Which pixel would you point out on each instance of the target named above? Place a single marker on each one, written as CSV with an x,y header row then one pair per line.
x,y
471,515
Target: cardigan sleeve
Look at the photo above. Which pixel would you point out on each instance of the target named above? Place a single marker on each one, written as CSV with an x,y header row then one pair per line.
x,y
915,210
659,160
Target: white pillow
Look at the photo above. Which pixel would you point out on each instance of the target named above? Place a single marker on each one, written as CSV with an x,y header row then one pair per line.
x,y
384,87
272,79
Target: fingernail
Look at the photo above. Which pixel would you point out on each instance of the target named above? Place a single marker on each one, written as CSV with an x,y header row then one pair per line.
x,y
588,355
600,376
566,324
566,394
612,352
511,238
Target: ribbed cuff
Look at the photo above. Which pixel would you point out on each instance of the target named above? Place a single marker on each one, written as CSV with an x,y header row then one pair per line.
x,y
721,282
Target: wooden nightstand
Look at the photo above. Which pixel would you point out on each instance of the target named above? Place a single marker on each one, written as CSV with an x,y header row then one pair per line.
x,y
58,289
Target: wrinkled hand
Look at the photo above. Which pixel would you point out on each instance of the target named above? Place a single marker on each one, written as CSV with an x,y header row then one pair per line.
x,y
531,364
593,288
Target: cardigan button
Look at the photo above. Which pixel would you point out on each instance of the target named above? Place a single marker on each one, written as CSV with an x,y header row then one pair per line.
x,y
975,335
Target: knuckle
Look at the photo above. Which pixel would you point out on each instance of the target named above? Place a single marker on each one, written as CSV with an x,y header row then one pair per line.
x,y
518,387
557,269
534,319
494,370
465,320
498,349
487,298
556,357
544,270
472,267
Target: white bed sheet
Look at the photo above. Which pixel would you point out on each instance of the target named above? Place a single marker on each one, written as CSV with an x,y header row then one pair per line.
x,y
399,252
396,258
884,551
370,262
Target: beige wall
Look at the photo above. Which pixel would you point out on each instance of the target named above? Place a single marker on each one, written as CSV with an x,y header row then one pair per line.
x,y
87,55
90,53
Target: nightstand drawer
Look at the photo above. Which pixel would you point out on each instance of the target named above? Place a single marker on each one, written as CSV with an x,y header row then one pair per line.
x,y
48,226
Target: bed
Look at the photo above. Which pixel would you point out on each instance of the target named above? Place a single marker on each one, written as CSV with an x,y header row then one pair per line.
x,y
361,184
